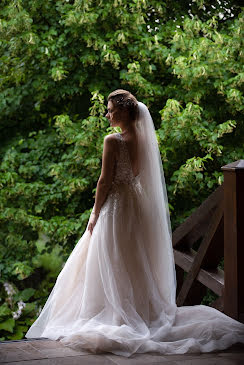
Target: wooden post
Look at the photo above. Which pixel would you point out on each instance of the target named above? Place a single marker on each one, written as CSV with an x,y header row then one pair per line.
x,y
234,240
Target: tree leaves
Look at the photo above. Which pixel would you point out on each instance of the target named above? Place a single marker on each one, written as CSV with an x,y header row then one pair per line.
x,y
59,61
8,325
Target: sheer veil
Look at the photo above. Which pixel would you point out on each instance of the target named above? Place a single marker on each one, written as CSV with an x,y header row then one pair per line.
x,y
156,200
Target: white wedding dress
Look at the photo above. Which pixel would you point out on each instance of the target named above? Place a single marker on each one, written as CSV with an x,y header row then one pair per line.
x,y
116,291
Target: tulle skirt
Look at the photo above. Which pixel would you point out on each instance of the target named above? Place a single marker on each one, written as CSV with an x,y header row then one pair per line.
x,y
116,292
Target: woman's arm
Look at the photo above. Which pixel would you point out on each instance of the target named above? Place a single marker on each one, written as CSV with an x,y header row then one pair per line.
x,y
105,180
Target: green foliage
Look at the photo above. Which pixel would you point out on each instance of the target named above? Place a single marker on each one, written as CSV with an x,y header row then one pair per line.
x,y
209,298
59,60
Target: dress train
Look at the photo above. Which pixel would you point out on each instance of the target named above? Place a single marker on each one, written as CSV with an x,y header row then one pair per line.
x,y
112,294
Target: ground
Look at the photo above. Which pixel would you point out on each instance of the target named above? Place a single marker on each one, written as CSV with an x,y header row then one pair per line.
x,y
47,352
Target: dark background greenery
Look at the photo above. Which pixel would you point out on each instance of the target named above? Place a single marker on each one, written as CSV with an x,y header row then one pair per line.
x,y
59,61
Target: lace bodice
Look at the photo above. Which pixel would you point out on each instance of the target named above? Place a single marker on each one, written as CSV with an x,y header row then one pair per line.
x,y
124,182
125,186
123,169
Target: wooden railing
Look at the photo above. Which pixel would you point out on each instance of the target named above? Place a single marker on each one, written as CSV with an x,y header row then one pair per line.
x,y
217,228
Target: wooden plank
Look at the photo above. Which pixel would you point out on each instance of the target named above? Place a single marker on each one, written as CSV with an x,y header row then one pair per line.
x,y
233,239
218,304
179,278
212,279
200,255
50,352
215,251
198,215
184,259
197,232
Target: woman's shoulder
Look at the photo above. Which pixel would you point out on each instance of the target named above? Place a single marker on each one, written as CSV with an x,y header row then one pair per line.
x,y
111,137
111,140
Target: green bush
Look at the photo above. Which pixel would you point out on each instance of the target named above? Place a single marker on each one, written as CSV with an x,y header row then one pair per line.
x,y
59,61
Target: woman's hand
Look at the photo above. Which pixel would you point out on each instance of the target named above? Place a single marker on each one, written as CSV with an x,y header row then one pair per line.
x,y
93,222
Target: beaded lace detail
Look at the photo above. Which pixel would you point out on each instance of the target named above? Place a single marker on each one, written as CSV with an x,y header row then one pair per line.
x,y
125,185
123,172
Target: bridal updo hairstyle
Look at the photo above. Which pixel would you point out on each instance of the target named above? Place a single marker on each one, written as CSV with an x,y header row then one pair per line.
x,y
124,100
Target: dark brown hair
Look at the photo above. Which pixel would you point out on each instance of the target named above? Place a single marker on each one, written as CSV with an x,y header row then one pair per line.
x,y
124,100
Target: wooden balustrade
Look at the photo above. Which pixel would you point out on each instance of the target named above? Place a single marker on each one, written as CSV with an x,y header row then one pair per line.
x,y
218,227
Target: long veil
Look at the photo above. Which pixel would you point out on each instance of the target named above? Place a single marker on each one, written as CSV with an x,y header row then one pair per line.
x,y
156,200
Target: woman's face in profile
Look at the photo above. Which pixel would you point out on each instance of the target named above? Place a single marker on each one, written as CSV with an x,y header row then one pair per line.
x,y
111,114
115,115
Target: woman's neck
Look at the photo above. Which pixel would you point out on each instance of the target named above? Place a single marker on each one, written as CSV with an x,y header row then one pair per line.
x,y
127,129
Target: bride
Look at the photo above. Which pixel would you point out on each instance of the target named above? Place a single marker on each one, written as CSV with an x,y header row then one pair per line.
x,y
116,292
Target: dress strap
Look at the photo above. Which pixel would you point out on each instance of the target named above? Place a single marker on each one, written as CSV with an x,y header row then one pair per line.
x,y
119,136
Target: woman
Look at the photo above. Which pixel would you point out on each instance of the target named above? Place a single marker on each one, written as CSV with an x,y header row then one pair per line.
x,y
116,292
